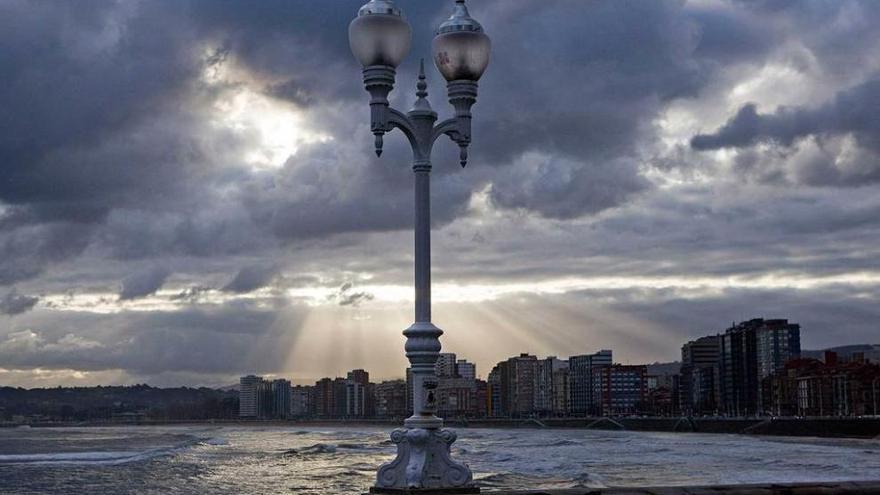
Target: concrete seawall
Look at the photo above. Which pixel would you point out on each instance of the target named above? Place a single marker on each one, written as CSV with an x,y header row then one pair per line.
x,y
832,488
812,427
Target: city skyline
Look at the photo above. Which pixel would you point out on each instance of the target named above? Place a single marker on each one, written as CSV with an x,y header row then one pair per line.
x,y
604,356
754,368
186,194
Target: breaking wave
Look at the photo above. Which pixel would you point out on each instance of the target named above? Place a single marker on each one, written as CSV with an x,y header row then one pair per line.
x,y
327,448
79,458
108,457
216,441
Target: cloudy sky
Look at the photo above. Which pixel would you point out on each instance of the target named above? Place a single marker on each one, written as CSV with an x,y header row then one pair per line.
x,y
188,190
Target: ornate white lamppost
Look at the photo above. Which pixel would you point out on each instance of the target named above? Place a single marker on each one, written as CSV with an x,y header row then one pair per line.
x,y
380,39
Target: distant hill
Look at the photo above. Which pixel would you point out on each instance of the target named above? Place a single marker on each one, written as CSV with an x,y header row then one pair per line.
x,y
104,403
660,369
871,351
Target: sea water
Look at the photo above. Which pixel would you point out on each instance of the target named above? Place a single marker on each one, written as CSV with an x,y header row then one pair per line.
x,y
257,460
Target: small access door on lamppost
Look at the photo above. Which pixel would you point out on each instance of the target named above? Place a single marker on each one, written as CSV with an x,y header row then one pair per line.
x,y
380,39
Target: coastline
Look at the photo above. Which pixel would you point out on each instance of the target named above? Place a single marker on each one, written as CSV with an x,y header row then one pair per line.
x,y
832,488
864,428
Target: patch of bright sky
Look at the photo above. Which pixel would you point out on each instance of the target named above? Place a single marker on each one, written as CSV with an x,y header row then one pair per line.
x,y
42,377
390,294
273,129
164,300
480,206
778,84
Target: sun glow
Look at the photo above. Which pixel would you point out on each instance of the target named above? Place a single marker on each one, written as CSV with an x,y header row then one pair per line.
x,y
271,129
274,129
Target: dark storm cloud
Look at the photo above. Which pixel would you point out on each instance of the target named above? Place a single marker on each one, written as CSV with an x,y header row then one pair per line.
x,y
75,75
729,36
14,303
197,230
326,190
851,111
303,45
837,39
588,94
591,91
562,188
148,162
26,250
251,278
191,294
199,339
346,296
93,98
145,168
144,283
583,96
690,232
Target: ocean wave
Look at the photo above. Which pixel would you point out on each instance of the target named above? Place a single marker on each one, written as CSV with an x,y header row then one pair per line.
x,y
318,448
90,458
106,457
584,480
512,480
327,448
216,441
561,443
502,480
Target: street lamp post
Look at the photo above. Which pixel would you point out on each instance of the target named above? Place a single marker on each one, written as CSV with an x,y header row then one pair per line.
x,y
380,39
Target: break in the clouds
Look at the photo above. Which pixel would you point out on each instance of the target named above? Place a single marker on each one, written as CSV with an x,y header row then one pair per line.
x,y
189,193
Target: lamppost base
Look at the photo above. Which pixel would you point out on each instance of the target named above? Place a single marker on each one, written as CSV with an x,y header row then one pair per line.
x,y
423,465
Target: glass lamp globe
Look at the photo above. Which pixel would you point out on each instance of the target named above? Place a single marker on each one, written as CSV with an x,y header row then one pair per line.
x,y
380,35
461,48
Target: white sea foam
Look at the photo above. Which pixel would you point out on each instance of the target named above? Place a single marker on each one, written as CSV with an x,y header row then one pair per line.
x,y
92,458
216,441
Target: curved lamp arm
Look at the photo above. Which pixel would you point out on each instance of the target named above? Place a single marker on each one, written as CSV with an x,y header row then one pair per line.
x,y
462,96
448,127
398,119
418,124
458,133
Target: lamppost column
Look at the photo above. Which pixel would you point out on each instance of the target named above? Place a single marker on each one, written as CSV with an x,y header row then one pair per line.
x,y
423,242
423,337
